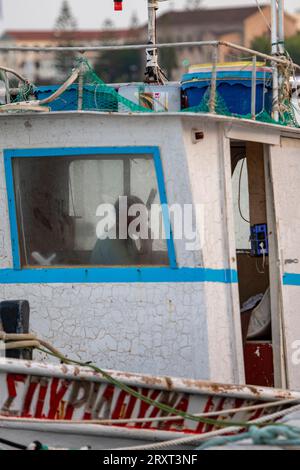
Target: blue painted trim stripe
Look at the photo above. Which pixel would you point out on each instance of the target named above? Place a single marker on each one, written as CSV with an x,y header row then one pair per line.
x,y
291,279
12,212
138,152
79,151
165,211
116,275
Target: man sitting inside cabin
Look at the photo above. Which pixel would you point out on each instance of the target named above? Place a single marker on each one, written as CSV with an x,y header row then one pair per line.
x,y
113,250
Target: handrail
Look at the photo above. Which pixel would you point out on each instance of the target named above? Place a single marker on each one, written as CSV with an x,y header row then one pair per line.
x,y
82,49
275,61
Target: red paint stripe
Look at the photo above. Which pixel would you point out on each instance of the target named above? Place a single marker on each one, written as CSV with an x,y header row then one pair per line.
x,y
11,383
182,406
220,407
56,396
144,407
41,401
69,412
208,407
28,399
123,410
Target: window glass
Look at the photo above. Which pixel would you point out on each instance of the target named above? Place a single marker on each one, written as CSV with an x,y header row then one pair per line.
x,y
88,211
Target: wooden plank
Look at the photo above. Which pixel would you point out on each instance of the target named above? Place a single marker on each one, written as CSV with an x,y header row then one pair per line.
x,y
256,182
275,280
285,166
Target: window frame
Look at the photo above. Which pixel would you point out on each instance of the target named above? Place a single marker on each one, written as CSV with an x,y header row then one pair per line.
x,y
78,272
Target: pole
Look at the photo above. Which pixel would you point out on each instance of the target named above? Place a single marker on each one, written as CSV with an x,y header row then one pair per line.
x,y
151,53
213,87
274,38
153,71
253,88
281,48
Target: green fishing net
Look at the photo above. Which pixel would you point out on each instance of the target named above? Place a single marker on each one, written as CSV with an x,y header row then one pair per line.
x,y
91,93
26,91
286,118
98,96
204,106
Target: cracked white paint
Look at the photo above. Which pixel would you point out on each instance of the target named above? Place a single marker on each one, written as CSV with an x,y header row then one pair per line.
x,y
181,329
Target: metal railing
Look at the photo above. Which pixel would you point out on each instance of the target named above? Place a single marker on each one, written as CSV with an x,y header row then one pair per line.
x,y
275,61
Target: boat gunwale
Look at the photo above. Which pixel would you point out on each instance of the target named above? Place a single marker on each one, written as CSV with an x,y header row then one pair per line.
x,y
190,386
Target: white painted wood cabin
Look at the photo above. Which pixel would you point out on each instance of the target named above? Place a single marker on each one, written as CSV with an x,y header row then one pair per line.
x,y
180,317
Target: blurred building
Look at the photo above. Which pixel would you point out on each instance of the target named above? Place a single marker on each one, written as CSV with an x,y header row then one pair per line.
x,y
239,25
298,20
41,66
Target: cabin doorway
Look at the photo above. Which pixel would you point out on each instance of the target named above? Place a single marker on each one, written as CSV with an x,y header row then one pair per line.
x,y
249,189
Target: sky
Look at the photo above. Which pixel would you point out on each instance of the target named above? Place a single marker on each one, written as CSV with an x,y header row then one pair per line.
x,y
90,14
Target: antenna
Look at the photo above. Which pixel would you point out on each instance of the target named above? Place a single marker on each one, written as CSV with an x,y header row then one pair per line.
x,y
153,74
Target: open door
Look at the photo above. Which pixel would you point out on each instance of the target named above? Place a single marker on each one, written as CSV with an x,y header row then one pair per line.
x,y
284,164
254,254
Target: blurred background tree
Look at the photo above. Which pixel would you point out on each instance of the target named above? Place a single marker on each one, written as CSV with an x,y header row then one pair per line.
x,y
134,20
65,29
119,66
108,24
168,60
193,4
292,44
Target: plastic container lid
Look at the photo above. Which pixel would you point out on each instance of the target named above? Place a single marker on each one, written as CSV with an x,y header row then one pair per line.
x,y
229,66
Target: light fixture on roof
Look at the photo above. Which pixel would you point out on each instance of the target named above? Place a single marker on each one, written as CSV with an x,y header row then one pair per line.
x,y
118,5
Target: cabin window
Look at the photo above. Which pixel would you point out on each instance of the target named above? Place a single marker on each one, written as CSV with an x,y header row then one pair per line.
x,y
65,206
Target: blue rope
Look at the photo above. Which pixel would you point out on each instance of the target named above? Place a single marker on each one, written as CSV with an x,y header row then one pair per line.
x,y
281,435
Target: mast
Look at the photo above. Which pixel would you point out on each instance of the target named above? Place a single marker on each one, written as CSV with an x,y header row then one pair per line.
x,y
153,73
281,38
275,51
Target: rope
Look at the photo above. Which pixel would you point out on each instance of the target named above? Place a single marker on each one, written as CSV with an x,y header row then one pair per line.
x,y
263,15
151,420
16,74
38,104
166,408
270,435
37,343
202,437
12,444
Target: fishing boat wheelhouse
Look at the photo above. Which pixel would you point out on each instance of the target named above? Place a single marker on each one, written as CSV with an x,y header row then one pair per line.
x,y
176,305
